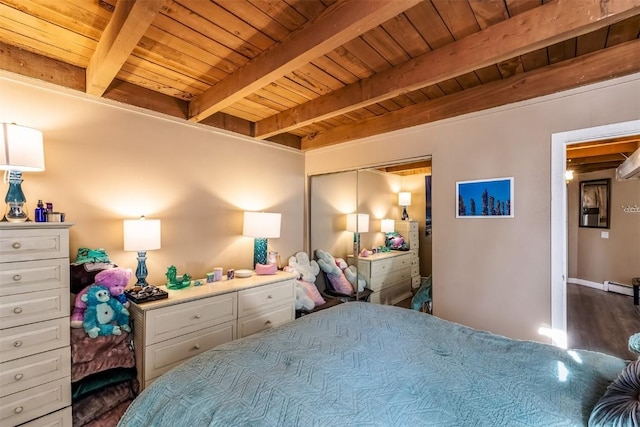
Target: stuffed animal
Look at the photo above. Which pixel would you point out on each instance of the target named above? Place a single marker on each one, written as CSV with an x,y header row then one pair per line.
x,y
351,273
102,311
114,279
307,270
423,296
302,299
328,264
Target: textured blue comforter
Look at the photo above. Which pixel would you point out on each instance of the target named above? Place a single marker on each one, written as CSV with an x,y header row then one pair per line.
x,y
361,364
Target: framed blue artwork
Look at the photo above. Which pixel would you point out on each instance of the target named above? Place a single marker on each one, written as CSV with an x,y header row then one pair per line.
x,y
486,198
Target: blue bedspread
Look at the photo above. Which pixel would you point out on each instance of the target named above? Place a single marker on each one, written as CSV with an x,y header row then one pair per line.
x,y
361,364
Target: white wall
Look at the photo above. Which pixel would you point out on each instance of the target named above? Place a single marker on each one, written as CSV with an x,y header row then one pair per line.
x,y
493,274
106,162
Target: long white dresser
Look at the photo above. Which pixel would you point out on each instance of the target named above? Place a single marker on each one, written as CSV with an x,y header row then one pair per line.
x,y
35,356
409,230
198,318
388,274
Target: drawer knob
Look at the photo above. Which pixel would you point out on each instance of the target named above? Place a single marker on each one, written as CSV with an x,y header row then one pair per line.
x,y
197,316
269,297
196,347
17,277
268,322
18,410
18,377
16,245
17,343
17,310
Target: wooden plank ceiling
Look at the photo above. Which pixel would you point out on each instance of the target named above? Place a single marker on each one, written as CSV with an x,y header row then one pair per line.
x,y
309,73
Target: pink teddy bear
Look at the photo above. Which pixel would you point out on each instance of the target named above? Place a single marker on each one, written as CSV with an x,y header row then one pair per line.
x,y
115,279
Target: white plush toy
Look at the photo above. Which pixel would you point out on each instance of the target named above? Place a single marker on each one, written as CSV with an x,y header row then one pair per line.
x,y
302,300
351,273
307,270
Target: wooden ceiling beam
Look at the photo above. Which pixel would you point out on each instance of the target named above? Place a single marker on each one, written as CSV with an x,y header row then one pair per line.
x,y
129,22
341,22
605,64
578,161
601,150
539,27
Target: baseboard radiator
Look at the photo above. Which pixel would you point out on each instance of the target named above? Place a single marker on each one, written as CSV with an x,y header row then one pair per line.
x,y
620,288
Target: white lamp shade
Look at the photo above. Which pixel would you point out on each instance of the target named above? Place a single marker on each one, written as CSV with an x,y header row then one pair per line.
x,y
387,225
404,198
358,223
142,234
21,148
261,225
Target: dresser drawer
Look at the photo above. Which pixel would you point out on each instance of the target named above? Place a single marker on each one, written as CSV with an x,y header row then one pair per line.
x,y
258,299
413,239
415,270
392,295
27,372
265,319
34,338
161,357
176,320
21,309
386,265
61,418
32,276
390,278
32,244
37,401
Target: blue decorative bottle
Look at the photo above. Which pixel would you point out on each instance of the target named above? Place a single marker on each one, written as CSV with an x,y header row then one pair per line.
x,y
40,212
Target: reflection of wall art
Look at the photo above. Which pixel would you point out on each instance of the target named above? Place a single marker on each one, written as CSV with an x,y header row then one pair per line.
x,y
594,203
488,198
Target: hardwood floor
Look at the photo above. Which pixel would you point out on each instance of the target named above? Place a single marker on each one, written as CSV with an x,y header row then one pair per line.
x,y
601,321
596,320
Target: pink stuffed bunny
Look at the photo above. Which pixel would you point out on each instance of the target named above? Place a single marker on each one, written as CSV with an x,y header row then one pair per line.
x,y
115,279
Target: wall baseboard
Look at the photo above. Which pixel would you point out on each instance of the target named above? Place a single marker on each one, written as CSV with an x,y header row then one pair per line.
x,y
588,283
619,288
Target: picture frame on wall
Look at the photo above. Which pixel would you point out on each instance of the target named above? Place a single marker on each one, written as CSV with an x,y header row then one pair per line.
x,y
595,203
485,198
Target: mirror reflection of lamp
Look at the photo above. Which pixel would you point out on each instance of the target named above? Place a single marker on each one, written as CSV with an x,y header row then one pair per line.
x,y
21,150
404,200
261,226
357,223
387,226
141,235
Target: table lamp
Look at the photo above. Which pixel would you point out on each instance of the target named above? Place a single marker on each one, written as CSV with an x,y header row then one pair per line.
x,y
357,223
142,235
404,200
261,226
387,226
21,150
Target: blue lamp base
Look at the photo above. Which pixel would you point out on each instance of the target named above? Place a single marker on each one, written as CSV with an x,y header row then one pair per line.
x,y
141,271
15,199
259,251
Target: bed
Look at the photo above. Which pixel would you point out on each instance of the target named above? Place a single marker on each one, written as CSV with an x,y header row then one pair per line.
x,y
360,364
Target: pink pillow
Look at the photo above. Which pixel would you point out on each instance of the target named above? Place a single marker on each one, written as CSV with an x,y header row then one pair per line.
x,y
312,292
340,283
266,269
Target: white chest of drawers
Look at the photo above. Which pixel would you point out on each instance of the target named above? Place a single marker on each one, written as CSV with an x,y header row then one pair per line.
x,y
388,274
193,320
409,230
35,357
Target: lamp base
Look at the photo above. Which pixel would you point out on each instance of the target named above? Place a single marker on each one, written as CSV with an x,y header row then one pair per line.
x,y
141,270
15,200
405,214
259,251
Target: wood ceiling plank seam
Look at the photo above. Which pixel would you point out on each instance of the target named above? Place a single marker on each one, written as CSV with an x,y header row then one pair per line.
x,y
340,22
303,80
449,86
145,82
179,13
163,76
489,74
274,97
574,72
256,18
382,42
267,102
38,29
417,96
278,89
229,60
433,91
458,17
360,49
229,22
562,51
427,21
510,67
322,77
128,24
63,17
624,31
290,83
468,80
342,56
232,111
250,104
309,9
489,12
390,105
185,48
577,19
41,48
536,59
592,41
283,13
403,100
98,14
406,35
337,71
